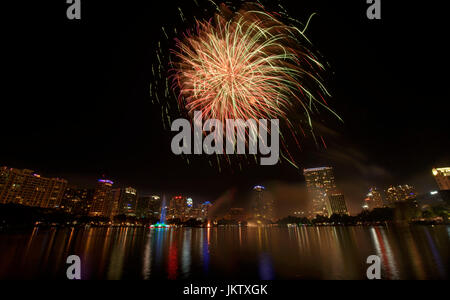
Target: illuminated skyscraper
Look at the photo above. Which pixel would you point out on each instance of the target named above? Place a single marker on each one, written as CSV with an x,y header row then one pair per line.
x,y
442,177
102,203
374,199
178,207
319,183
400,193
206,209
77,201
262,205
127,201
28,188
115,196
336,204
149,206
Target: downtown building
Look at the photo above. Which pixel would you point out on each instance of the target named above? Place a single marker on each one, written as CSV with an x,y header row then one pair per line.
x,y
320,182
206,208
184,209
373,200
262,206
103,200
25,187
336,204
442,177
77,201
401,193
149,206
124,202
177,208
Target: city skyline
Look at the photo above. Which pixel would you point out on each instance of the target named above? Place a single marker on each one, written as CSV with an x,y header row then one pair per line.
x,y
112,200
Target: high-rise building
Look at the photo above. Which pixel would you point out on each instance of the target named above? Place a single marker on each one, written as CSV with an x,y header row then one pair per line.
x,y
319,183
155,206
77,201
102,202
178,207
336,204
126,200
28,188
442,177
149,206
206,209
262,206
115,196
400,193
374,199
193,213
184,208
142,207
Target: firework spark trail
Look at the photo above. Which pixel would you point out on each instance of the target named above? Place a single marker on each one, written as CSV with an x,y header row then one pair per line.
x,y
248,64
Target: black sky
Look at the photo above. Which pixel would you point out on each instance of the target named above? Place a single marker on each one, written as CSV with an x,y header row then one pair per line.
x,y
75,97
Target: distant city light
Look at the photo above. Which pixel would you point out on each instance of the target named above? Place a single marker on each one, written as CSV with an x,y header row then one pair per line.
x,y
190,202
105,181
130,191
434,193
259,188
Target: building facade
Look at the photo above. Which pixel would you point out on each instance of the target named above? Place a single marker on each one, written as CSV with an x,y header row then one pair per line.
x,y
103,200
77,201
442,177
319,183
125,201
374,199
178,207
262,205
336,204
25,187
206,210
149,206
401,193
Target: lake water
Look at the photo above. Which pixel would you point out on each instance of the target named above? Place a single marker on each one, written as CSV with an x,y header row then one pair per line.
x,y
407,252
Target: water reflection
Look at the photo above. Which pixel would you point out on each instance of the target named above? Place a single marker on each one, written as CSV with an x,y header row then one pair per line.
x,y
236,253
436,255
265,267
172,266
205,249
385,253
147,260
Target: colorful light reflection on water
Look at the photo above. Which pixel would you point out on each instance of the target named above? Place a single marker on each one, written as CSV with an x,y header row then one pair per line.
x,y
228,253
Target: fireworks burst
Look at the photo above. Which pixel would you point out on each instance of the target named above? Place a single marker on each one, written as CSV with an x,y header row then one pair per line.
x,y
249,64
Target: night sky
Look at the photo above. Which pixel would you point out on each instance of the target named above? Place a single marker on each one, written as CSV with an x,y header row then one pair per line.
x,y
76,104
